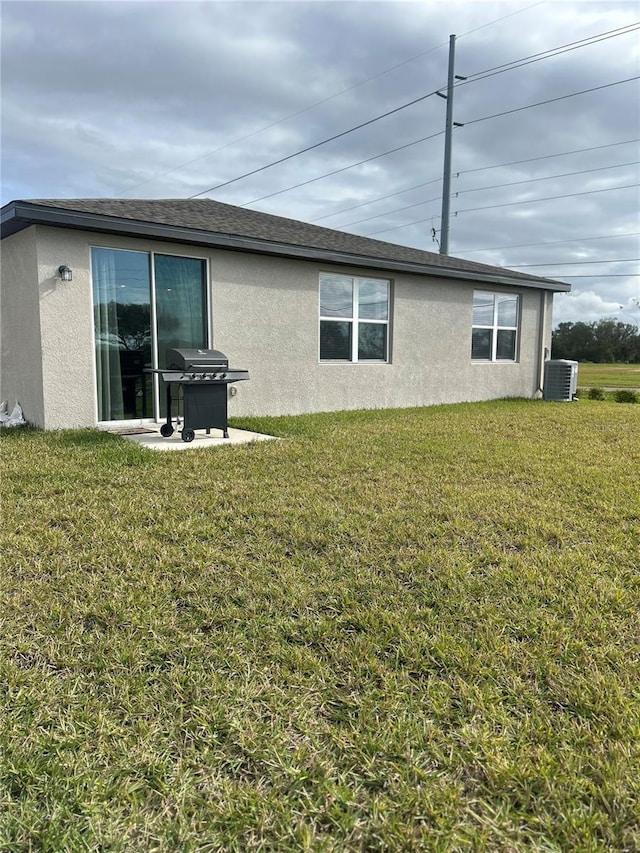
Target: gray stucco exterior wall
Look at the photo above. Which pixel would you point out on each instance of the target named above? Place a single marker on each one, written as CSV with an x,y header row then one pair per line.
x,y
264,316
47,328
66,322
20,339
266,319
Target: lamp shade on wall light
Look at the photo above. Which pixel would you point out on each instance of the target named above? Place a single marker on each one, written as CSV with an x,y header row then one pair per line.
x,y
65,273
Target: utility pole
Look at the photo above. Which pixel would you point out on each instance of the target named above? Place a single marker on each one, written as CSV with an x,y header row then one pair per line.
x,y
448,139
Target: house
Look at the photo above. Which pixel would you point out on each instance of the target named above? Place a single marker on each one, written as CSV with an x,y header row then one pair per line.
x,y
94,290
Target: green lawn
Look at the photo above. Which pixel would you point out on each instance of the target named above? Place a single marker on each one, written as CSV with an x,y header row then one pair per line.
x,y
394,631
608,375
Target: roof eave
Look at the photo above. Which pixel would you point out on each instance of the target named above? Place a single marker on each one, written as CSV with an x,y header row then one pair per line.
x,y
19,215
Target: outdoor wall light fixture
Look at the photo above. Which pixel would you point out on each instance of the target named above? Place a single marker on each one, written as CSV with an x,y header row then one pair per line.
x,y
65,273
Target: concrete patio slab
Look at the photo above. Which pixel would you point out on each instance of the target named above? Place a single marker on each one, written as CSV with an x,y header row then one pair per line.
x,y
154,441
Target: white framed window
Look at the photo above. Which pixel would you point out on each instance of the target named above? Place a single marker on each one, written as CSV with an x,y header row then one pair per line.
x,y
494,335
354,318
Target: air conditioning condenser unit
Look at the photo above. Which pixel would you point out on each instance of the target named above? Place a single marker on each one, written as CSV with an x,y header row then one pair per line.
x,y
560,380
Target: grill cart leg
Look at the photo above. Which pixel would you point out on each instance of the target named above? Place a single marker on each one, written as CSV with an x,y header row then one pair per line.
x,y
166,430
225,433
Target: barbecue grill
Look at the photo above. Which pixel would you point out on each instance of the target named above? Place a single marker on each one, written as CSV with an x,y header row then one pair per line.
x,y
202,375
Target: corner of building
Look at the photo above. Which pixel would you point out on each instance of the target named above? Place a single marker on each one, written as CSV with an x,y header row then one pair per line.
x,y
20,334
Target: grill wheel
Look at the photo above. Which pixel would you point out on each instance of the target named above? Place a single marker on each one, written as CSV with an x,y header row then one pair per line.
x,y
187,434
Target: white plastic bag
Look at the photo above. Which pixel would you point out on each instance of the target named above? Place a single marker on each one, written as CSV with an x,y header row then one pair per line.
x,y
13,419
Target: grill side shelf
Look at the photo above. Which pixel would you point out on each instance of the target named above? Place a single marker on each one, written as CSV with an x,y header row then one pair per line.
x,y
220,376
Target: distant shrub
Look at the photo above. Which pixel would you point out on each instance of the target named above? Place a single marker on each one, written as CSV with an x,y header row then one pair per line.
x,y
596,394
624,395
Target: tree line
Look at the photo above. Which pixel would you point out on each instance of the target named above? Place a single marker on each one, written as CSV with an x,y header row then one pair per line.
x,y
603,342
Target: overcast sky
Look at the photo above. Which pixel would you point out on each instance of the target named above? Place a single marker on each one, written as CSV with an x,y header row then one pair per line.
x,y
168,99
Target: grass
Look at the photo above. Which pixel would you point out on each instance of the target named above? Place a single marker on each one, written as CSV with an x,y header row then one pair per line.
x,y
395,631
609,375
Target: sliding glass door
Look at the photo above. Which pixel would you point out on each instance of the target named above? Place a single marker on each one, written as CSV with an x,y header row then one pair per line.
x,y
180,303
143,305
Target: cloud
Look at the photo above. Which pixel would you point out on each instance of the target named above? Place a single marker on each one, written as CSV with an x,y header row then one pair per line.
x,y
166,99
591,307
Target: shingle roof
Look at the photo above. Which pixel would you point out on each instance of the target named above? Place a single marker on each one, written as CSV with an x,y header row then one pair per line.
x,y
214,218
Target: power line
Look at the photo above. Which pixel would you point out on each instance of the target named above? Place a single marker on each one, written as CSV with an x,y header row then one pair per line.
x,y
577,263
547,198
468,171
507,204
316,145
378,198
546,156
389,212
613,275
404,106
551,242
492,187
484,26
286,118
424,97
325,100
423,139
385,115
345,168
546,178
552,100
548,54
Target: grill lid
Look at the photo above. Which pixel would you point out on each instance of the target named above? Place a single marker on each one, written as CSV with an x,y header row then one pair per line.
x,y
195,359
